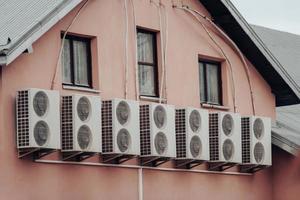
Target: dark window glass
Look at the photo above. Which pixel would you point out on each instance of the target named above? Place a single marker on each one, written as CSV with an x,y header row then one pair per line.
x,y
147,63
76,61
210,83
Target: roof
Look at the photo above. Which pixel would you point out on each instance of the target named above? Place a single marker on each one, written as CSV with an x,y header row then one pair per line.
x,y
230,20
23,22
286,47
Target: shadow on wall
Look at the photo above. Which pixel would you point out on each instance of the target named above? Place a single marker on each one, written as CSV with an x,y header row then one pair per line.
x,y
286,175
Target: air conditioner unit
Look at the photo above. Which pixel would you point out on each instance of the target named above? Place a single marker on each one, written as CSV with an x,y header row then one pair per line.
x,y
38,122
192,137
120,127
157,130
256,140
81,123
225,137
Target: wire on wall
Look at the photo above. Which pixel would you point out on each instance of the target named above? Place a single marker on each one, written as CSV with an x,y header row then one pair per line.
x,y
235,47
126,48
63,42
135,50
186,8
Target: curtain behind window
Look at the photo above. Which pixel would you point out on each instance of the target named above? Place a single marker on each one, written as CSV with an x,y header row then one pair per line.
x,y
212,83
80,63
66,62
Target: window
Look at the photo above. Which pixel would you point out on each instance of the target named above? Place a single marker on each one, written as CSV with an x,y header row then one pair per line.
x,y
147,63
76,61
210,82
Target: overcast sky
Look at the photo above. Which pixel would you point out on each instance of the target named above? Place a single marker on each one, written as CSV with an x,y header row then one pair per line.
x,y
277,14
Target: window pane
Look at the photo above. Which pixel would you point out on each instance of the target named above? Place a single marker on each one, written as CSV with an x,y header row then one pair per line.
x,y
145,47
66,62
212,83
80,63
147,80
202,82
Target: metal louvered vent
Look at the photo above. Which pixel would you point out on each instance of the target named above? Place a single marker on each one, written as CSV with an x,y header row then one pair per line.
x,y
228,149
41,133
123,112
22,119
195,146
180,129
195,121
67,123
258,128
227,124
123,140
159,116
259,152
84,137
145,130
107,136
214,136
160,143
40,103
245,123
83,108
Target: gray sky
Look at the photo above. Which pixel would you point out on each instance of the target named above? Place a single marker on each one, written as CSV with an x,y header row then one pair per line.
x,y
277,14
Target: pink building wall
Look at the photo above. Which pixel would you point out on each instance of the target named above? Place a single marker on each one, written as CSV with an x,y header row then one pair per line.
x,y
104,20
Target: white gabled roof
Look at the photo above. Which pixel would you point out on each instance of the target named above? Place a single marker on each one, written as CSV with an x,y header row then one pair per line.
x,y
24,21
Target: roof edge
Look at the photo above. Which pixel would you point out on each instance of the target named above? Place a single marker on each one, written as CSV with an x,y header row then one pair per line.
x,y
262,47
285,144
37,31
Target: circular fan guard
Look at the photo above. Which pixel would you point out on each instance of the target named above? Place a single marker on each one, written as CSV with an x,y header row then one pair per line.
x,y
195,146
123,140
84,137
41,133
228,149
83,108
195,121
159,116
161,143
259,152
227,124
40,103
258,128
123,112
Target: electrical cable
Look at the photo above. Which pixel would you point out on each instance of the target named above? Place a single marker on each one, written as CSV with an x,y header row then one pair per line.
x,y
246,67
185,8
166,33
126,49
135,50
63,42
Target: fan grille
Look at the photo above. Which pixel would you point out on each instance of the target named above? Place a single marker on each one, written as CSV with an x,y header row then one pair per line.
x,y
41,133
228,149
259,152
107,137
40,103
67,123
180,129
22,119
227,124
245,139
123,112
258,128
195,146
159,116
84,137
145,130
83,108
123,140
160,143
195,121
214,136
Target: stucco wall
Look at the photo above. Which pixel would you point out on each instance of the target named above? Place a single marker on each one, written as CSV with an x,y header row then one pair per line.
x,y
23,179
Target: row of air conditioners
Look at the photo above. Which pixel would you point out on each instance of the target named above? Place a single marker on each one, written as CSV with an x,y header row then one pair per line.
x,y
78,123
